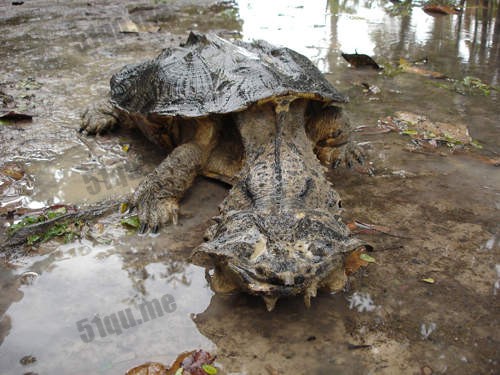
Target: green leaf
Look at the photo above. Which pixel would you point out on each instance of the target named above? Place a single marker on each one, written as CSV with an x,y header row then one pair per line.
x,y
56,213
476,144
131,222
25,221
69,237
210,370
367,258
410,132
33,238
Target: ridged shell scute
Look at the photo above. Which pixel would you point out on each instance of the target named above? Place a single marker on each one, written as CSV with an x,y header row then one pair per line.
x,y
211,75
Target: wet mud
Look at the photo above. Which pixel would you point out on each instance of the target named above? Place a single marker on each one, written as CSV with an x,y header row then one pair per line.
x,y
429,303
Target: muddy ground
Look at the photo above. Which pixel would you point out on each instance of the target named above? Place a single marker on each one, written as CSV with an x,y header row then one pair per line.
x,y
441,205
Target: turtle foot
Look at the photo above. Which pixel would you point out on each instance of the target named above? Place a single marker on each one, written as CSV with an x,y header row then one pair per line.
x,y
154,208
98,119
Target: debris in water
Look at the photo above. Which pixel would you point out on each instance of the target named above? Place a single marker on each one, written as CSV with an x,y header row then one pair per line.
x,y
359,60
421,129
27,360
426,331
471,86
12,170
370,89
192,363
130,27
361,301
150,368
406,66
27,278
196,362
442,9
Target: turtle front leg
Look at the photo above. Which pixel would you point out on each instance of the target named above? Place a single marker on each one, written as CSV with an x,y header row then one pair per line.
x,y
99,118
330,131
157,197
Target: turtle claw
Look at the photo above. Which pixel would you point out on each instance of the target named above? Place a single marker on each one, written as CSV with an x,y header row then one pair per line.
x,y
310,292
98,119
154,209
353,155
270,302
143,228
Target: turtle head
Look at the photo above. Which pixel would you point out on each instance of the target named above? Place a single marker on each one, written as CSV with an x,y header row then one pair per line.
x,y
290,252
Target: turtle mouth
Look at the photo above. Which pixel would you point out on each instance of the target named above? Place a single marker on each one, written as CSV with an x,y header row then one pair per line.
x,y
294,253
229,277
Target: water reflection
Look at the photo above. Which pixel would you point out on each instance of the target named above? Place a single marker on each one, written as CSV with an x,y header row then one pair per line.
x,y
321,29
115,271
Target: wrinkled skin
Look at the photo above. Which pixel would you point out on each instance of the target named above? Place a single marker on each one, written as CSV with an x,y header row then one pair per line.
x,y
279,231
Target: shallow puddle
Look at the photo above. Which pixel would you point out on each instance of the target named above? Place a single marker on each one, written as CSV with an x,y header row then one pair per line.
x,y
61,302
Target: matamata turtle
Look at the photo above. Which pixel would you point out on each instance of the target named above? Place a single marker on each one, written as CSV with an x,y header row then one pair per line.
x,y
260,118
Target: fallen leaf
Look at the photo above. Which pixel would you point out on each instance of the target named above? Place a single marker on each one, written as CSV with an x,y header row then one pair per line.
x,y
353,261
197,362
123,208
126,148
352,226
471,86
131,222
367,258
428,280
409,132
408,67
423,72
209,369
358,60
15,116
13,170
440,9
150,368
177,365
130,27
